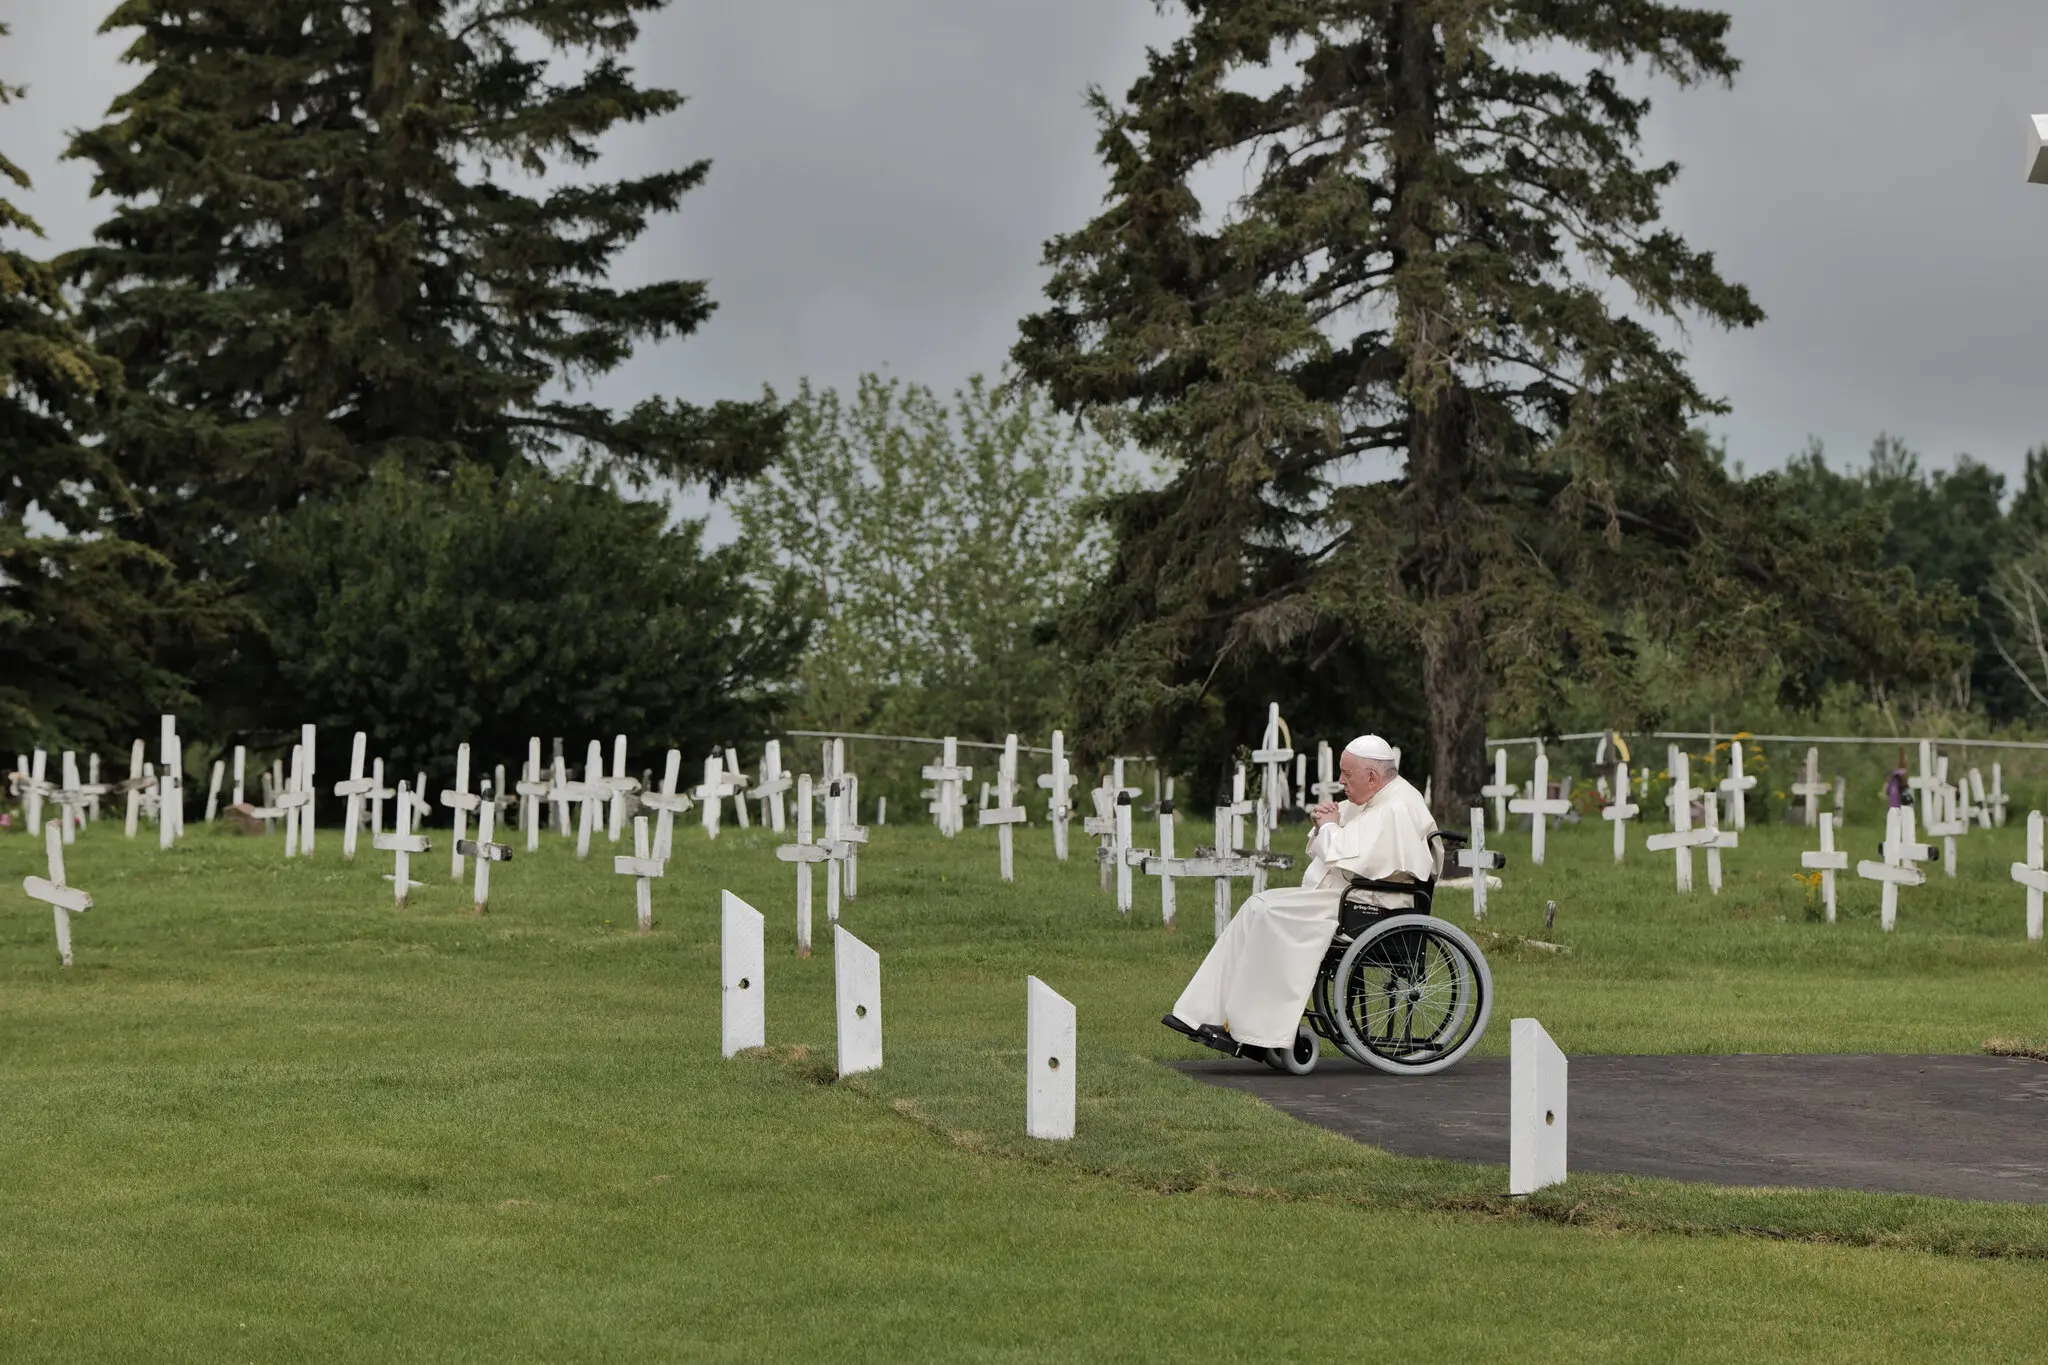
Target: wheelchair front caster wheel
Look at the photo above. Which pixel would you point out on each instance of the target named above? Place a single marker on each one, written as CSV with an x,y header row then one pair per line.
x,y
1300,1059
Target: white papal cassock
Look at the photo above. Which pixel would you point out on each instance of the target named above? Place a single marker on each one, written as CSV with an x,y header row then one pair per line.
x,y
1256,979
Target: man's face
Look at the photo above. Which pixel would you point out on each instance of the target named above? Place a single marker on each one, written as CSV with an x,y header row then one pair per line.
x,y
1362,781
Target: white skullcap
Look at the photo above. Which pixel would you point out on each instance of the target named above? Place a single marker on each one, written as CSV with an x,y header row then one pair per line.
x,y
1372,746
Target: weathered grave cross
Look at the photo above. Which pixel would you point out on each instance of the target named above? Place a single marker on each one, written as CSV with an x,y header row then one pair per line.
x,y
1809,788
1102,825
774,782
355,789
64,900
1926,782
462,801
1500,790
1901,851
643,867
667,804
949,794
532,790
1683,838
136,785
1327,787
483,850
803,853
1723,838
292,801
1539,806
1827,861
1059,802
1008,812
402,844
1477,860
1272,755
1737,785
2032,875
1948,822
1620,810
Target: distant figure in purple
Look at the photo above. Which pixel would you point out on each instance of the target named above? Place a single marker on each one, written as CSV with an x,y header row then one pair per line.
x,y
1895,788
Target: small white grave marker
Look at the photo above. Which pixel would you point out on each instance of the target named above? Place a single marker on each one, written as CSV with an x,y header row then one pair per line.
x,y
1997,799
1273,755
170,789
667,804
2032,875
484,851
402,844
949,793
1737,786
1539,806
462,801
1949,823
64,900
1620,810
1828,861
1499,791
220,771
136,785
620,788
710,793
803,853
1809,788
590,794
1050,1031
857,977
743,971
1723,838
293,801
1327,787
532,790
773,784
1008,812
355,789
1477,860
1683,838
1059,788
1538,1079
1901,851
1924,784
643,867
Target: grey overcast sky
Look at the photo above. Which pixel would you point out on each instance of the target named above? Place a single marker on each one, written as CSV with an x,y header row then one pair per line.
x,y
885,173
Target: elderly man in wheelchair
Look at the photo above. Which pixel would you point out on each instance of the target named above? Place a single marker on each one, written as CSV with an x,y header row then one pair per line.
x,y
1354,954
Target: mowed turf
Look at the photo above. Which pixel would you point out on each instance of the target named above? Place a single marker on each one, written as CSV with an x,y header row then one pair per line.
x,y
268,1116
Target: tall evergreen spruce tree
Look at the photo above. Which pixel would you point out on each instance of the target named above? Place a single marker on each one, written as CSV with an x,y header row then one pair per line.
x,y
81,615
330,247
1448,256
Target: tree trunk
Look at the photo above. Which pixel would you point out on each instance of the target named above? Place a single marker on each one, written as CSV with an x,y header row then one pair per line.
x,y
1447,571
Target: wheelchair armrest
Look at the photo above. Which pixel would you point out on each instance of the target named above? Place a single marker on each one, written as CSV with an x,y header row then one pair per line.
x,y
1397,888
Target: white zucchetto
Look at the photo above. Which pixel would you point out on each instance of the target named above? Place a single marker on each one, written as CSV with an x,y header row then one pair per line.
x,y
1371,746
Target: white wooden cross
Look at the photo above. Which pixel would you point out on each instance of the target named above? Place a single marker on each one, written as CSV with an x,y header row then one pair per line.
x,y
71,800
1272,754
1240,806
1059,801
292,801
64,900
1926,782
558,794
1477,860
1164,866
1723,838
1683,838
136,785
643,867
1901,851
1973,805
1102,825
220,769
484,851
711,794
402,844
1539,806
1809,789
170,788
737,781
620,788
37,790
1828,861
851,832
835,847
532,790
771,786
1327,787
462,801
804,852
2033,875
1499,791
241,773
589,794
667,804
1121,848
1620,810
949,796
1008,812
1948,824
1737,785
1301,801
355,789
1997,799
378,794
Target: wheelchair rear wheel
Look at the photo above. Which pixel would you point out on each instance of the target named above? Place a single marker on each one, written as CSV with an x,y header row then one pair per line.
x,y
1410,995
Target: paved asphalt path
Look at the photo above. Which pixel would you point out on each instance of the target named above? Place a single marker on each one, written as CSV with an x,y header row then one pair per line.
x,y
1972,1127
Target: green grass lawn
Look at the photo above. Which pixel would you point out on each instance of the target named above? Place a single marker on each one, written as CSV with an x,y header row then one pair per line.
x,y
269,1117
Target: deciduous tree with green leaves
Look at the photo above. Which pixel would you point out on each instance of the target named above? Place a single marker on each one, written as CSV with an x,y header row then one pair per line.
x,y
935,541
1448,259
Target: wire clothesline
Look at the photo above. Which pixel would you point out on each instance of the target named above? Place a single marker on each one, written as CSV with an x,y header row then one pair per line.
x,y
1717,736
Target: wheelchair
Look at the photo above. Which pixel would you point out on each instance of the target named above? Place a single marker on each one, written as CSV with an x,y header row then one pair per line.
x,y
1399,990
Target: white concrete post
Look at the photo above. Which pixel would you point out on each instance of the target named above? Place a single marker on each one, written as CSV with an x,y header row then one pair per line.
x,y
1050,1031
1538,1079
857,981
743,972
